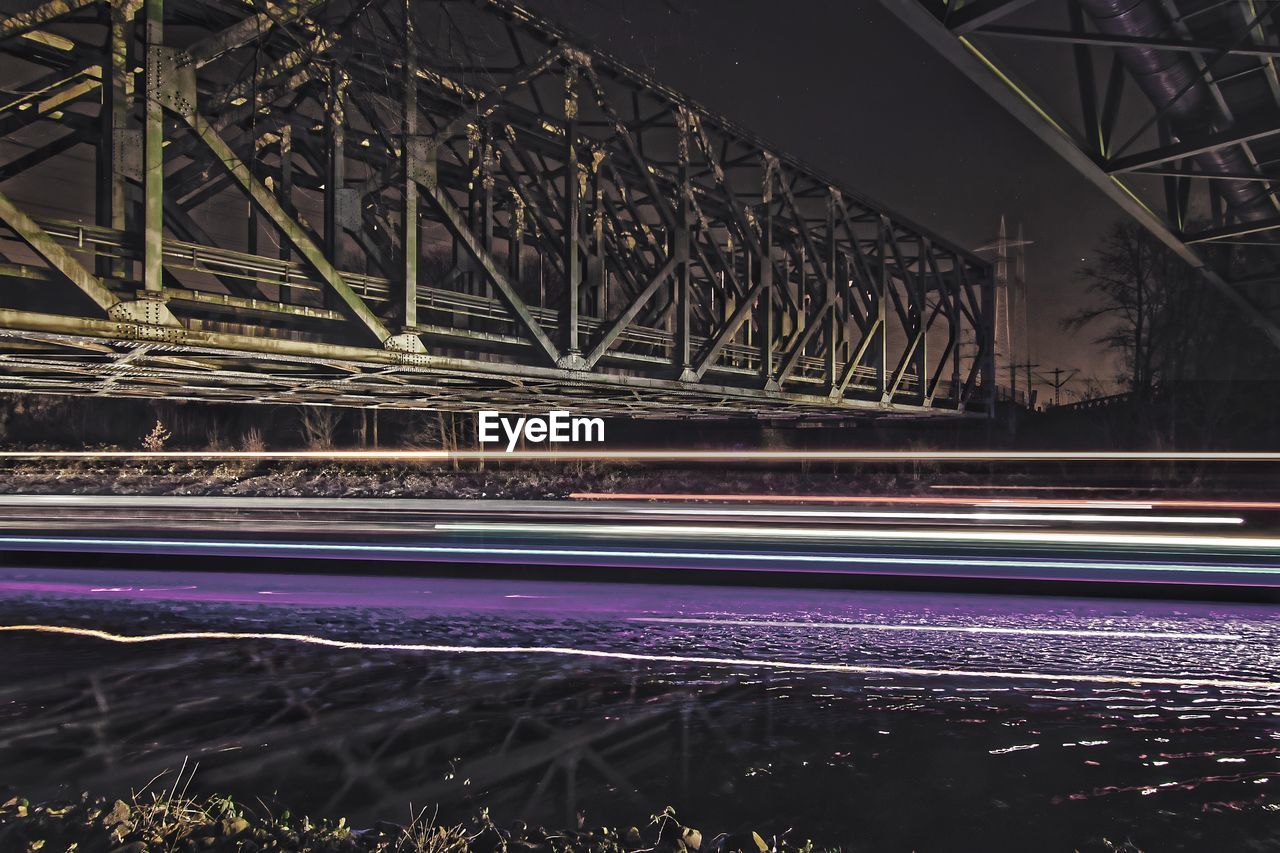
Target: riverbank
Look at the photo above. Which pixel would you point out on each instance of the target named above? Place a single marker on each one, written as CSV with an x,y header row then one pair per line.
x,y
174,822
525,480
519,481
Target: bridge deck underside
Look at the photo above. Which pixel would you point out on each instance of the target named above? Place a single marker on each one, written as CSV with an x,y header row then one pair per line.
x,y
438,205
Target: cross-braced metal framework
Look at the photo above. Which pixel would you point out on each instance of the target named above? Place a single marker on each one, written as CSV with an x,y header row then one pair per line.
x,y
1174,114
437,205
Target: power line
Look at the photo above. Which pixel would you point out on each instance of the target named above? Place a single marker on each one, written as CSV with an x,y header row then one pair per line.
x,y
1058,381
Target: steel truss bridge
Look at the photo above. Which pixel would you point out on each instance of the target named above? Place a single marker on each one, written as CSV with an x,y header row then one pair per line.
x,y
387,203
1171,108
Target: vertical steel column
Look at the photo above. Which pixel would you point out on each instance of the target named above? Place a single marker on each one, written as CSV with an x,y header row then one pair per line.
x,y
153,150
572,237
336,169
286,181
683,271
921,318
462,260
409,187
833,314
768,323
485,206
515,241
986,333
114,142
882,345
251,161
597,272
954,318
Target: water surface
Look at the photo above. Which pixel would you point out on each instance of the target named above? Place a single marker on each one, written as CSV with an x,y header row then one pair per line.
x,y
972,722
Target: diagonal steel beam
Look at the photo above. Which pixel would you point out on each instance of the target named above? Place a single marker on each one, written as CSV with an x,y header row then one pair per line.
x,y
1114,40
457,224
746,305
978,13
1228,232
25,22
855,361
292,231
1192,147
56,256
246,31
624,319
488,103
797,350
36,156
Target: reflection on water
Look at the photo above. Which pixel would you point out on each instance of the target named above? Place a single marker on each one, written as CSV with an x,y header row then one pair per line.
x,y
878,760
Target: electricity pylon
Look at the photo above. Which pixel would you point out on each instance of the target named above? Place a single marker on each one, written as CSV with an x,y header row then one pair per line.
x,y
1012,341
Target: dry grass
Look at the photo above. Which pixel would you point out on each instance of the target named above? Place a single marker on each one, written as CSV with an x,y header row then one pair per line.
x,y
171,821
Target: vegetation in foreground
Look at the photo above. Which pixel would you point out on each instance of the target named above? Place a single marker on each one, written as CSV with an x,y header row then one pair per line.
x,y
175,822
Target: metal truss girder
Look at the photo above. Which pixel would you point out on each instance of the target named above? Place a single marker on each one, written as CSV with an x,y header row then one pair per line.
x,y
433,374
660,278
980,70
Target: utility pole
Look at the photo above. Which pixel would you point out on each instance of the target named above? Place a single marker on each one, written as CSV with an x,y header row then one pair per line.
x,y
1058,381
1013,385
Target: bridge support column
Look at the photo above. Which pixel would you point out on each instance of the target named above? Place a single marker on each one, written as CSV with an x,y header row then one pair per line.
x,y
882,298
768,319
680,251
286,194
158,62
986,331
833,321
572,219
409,187
336,213
117,145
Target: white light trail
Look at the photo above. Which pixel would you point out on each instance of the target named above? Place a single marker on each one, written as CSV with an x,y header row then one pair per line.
x,y
745,561
1087,518
847,668
920,500
428,551
944,629
861,534
662,455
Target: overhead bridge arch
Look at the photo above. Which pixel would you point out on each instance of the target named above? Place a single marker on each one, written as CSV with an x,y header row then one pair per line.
x,y
438,205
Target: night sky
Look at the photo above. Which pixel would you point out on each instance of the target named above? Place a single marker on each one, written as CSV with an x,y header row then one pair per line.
x,y
846,87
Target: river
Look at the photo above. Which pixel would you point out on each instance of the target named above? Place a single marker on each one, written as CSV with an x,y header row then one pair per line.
x,y
879,721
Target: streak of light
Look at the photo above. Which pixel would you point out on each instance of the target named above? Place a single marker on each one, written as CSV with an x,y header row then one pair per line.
x,y
1026,488
1047,503
949,516
1026,537
579,455
945,629
859,669
579,553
